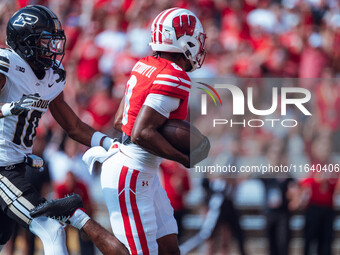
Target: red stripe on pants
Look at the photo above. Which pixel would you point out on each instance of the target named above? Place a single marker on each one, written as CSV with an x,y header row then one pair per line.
x,y
136,215
123,208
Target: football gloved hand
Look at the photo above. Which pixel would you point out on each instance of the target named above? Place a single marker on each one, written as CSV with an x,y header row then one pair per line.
x,y
16,108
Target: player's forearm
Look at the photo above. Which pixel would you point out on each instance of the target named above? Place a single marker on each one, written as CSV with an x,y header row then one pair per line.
x,y
117,122
153,141
86,135
70,122
81,133
118,126
106,242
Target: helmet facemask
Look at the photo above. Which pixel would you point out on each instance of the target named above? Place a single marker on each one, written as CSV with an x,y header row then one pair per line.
x,y
45,48
190,49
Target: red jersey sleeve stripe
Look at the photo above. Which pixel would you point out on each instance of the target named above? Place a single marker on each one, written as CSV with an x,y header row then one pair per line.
x,y
175,85
179,83
167,76
174,79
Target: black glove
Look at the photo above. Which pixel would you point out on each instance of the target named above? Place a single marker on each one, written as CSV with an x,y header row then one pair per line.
x,y
16,108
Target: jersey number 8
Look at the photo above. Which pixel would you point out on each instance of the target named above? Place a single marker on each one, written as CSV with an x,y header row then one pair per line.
x,y
130,85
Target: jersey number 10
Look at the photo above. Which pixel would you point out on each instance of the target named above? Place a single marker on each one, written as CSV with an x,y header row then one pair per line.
x,y
30,130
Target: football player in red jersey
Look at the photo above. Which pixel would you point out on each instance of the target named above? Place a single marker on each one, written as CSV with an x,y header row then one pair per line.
x,y
158,89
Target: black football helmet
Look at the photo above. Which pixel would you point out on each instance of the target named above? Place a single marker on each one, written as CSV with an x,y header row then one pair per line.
x,y
35,33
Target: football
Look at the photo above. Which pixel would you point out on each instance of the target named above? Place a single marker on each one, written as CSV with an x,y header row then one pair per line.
x,y
179,133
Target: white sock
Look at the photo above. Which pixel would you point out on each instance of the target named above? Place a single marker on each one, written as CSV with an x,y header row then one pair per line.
x,y
52,235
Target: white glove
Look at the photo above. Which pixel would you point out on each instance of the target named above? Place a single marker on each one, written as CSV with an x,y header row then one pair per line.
x,y
16,108
95,156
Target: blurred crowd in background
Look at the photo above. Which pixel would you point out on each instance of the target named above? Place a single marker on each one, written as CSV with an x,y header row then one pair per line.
x,y
246,39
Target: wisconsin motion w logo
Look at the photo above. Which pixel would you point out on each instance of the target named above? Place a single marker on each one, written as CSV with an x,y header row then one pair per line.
x,y
204,97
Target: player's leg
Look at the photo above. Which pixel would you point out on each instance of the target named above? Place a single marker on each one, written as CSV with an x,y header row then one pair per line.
x,y
6,228
129,197
168,245
166,224
17,198
69,210
51,233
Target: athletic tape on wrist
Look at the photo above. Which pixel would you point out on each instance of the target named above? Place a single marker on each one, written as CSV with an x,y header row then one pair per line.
x,y
79,218
83,222
96,138
107,143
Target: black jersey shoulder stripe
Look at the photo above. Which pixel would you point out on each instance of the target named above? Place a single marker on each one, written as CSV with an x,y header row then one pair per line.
x,y
3,68
2,58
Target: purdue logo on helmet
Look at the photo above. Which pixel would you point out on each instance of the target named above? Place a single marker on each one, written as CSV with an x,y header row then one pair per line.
x,y
25,18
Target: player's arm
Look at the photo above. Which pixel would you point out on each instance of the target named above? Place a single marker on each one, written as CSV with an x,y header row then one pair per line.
x,y
74,127
2,84
145,133
117,122
2,81
107,243
70,122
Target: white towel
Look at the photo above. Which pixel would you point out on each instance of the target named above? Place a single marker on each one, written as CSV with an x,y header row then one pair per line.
x,y
98,154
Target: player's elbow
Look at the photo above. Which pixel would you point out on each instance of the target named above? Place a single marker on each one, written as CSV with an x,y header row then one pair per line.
x,y
73,135
136,137
117,124
139,136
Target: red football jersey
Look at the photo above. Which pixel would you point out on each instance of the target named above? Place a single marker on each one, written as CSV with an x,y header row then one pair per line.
x,y
154,75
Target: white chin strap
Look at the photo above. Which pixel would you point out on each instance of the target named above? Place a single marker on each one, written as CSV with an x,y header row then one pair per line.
x,y
192,64
189,57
